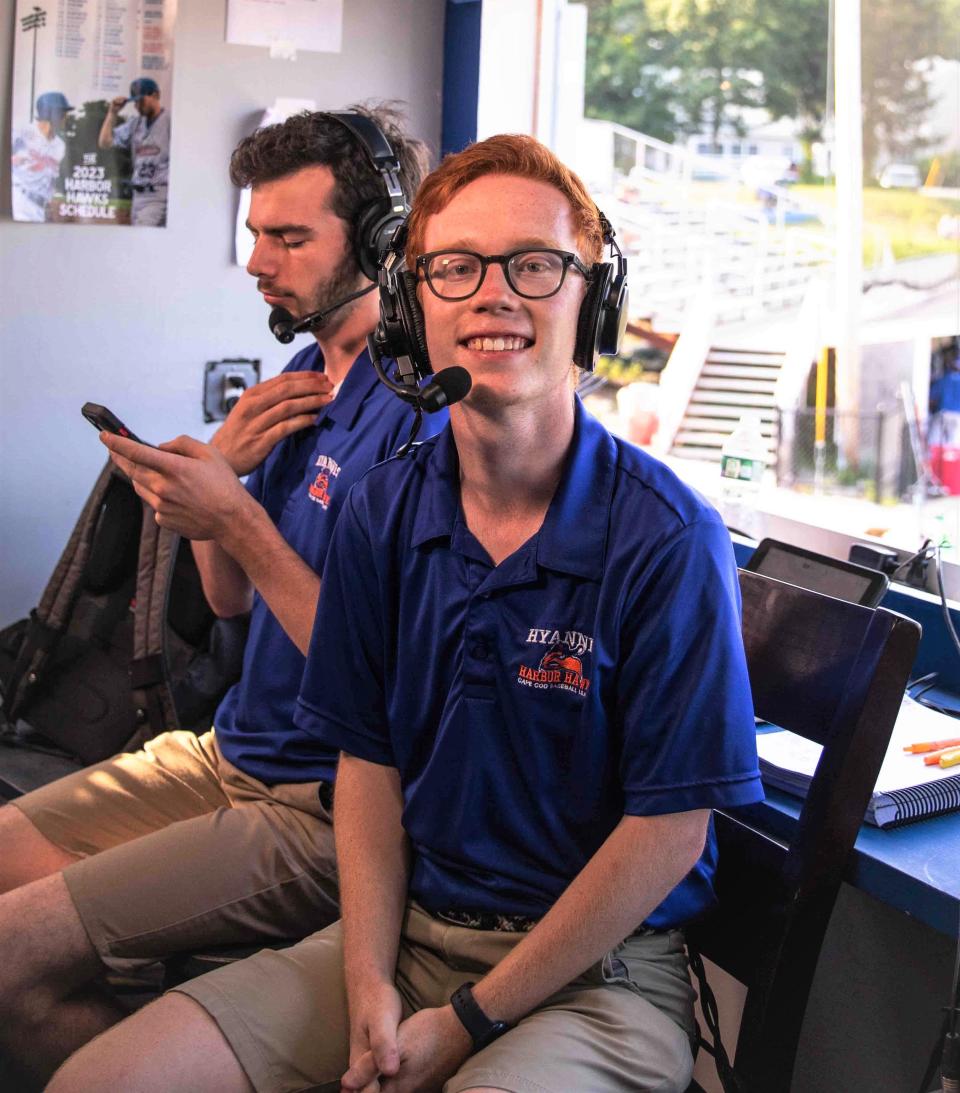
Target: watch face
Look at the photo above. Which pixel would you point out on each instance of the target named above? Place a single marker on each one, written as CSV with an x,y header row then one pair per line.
x,y
496,1030
482,1030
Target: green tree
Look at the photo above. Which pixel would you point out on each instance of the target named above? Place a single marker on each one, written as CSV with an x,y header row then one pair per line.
x,y
792,56
673,67
629,63
898,40
718,44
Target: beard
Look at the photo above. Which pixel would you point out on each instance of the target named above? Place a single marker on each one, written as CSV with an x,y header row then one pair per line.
x,y
344,281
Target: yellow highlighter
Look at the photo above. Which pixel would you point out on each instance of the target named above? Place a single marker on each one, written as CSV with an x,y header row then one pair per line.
x,y
950,758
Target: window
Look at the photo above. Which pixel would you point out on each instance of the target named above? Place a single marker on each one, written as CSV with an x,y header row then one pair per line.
x,y
609,78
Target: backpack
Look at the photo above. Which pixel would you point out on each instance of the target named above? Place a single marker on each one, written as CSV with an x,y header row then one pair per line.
x,y
122,645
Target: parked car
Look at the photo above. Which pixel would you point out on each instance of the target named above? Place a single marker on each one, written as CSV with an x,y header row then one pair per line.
x,y
900,176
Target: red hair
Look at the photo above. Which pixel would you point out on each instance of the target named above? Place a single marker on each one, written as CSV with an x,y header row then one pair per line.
x,y
507,154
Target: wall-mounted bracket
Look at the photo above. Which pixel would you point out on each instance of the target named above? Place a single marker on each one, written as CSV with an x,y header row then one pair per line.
x,y
223,384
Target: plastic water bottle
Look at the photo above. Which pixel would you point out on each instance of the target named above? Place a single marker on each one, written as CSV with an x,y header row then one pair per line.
x,y
742,459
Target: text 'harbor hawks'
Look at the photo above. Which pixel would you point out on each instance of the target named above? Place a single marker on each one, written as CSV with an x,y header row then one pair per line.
x,y
320,487
561,667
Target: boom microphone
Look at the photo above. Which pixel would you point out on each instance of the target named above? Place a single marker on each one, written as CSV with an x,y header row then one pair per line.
x,y
449,386
283,325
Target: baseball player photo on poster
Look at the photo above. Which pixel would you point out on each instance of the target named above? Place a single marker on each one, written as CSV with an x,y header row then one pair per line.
x,y
91,124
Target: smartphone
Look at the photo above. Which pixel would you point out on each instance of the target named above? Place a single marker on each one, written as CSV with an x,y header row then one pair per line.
x,y
105,421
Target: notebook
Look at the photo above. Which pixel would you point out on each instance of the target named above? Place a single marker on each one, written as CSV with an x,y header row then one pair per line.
x,y
906,789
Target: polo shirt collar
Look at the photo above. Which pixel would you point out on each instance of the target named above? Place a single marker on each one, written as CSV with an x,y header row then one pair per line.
x,y
439,505
573,536
356,386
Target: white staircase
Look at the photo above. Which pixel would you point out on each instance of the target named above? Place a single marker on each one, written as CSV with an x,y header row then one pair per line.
x,y
731,382
683,238
748,266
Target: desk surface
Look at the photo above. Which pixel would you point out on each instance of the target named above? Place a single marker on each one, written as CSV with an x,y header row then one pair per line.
x,y
915,868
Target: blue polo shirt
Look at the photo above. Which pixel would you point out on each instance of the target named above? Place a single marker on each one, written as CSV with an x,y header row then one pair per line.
x,y
599,670
302,484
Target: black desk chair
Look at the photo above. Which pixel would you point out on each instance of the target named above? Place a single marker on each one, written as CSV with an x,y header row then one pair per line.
x,y
833,672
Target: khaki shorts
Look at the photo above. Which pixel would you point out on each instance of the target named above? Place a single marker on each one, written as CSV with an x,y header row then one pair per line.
x,y
625,1025
181,850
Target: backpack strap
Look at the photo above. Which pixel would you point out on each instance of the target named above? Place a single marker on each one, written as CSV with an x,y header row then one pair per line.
x,y
148,674
49,619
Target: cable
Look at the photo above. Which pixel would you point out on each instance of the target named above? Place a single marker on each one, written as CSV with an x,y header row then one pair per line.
x,y
414,429
943,602
922,553
729,1079
946,1051
950,1054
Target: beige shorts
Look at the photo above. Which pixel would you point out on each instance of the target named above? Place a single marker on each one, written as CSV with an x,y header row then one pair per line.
x,y
625,1025
181,850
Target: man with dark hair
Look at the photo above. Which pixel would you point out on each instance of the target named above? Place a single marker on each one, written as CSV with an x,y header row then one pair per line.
x,y
147,135
225,838
541,692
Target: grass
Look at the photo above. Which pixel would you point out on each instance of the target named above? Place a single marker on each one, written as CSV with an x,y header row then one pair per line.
x,y
904,218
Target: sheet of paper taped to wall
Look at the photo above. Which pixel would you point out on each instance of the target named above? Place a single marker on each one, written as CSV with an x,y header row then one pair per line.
x,y
283,50
280,111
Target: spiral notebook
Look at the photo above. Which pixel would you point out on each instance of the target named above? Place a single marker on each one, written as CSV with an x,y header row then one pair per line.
x,y
906,790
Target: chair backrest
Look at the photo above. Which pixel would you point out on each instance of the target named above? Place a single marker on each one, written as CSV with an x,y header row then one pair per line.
x,y
833,672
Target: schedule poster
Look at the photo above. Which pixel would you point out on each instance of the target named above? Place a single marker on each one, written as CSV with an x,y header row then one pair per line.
x,y
91,124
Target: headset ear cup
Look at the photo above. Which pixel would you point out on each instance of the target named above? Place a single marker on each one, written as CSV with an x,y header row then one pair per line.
x,y
588,323
613,318
375,227
411,316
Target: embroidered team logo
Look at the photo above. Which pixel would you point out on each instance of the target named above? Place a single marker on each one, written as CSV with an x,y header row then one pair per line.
x,y
319,490
561,667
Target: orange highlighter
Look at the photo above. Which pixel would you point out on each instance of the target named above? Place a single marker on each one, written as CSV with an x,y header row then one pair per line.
x,y
932,745
948,757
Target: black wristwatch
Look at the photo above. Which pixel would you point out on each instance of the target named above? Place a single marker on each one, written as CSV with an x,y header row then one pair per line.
x,y
482,1030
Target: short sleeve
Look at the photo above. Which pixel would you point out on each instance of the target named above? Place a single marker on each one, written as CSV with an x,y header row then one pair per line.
x,y
689,737
254,483
341,695
123,133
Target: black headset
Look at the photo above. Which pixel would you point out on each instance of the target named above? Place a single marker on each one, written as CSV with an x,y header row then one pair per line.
x,y
373,227
603,313
400,333
377,220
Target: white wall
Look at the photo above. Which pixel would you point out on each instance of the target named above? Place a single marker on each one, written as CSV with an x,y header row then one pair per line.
x,y
532,71
127,317
508,62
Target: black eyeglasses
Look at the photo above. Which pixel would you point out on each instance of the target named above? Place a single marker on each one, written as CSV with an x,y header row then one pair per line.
x,y
533,274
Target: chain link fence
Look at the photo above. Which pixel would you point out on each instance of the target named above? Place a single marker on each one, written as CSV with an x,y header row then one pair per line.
x,y
861,455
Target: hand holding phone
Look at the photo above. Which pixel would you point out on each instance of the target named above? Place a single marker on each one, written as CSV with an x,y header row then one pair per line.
x,y
105,421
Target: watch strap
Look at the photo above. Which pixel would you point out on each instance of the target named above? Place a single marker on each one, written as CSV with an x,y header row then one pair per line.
x,y
481,1029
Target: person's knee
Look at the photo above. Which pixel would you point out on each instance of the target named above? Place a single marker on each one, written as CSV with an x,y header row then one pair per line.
x,y
25,854
171,1044
45,952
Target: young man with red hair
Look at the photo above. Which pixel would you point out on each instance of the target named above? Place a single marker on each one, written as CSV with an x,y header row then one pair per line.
x,y
543,696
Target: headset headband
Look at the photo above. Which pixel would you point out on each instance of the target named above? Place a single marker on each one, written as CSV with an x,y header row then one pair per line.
x,y
379,151
379,217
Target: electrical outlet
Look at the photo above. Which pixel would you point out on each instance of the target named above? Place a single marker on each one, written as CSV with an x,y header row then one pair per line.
x,y
223,384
